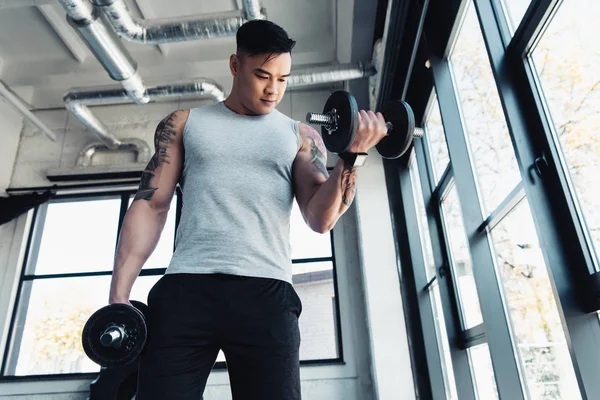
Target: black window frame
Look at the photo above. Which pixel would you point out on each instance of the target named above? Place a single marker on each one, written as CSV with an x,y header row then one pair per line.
x,y
567,257
102,191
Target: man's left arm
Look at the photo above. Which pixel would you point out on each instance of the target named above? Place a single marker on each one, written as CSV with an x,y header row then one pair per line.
x,y
322,197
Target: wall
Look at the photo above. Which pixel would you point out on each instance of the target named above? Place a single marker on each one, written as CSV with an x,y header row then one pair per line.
x,y
374,338
12,124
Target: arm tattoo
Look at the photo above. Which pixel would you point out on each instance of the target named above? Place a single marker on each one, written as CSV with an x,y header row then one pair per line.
x,y
348,184
317,152
165,132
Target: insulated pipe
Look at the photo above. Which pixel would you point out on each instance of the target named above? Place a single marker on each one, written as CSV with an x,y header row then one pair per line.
x,y
329,74
77,101
170,30
106,46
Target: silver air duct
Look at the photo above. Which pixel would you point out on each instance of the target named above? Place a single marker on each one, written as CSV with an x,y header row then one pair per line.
x,y
329,74
106,46
78,100
170,30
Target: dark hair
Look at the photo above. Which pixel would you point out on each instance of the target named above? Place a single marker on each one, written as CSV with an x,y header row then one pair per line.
x,y
260,36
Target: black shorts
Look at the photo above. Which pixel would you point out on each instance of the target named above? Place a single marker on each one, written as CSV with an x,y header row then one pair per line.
x,y
192,316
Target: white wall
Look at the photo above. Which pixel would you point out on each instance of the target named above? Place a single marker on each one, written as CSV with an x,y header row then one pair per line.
x,y
10,131
359,255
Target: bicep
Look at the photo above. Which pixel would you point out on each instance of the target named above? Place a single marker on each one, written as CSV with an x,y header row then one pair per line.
x,y
310,165
162,173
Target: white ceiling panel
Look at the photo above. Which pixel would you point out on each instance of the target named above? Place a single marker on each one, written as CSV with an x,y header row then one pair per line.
x,y
39,49
26,36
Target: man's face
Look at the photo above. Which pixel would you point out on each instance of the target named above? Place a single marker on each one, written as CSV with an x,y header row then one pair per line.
x,y
261,80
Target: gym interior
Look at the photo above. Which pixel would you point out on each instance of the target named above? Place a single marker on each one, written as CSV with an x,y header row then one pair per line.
x,y
467,268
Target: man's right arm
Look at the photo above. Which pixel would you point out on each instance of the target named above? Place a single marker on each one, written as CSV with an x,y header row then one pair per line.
x,y
145,218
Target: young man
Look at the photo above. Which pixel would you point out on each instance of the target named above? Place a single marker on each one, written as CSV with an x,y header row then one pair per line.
x,y
239,162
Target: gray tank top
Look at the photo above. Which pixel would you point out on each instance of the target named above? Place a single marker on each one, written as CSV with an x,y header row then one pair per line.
x,y
237,194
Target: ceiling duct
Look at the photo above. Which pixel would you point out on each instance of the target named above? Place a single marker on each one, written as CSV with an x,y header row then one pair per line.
x,y
106,46
170,30
308,76
78,100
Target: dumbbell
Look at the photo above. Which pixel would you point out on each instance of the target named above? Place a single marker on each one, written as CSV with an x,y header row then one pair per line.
x,y
339,122
115,335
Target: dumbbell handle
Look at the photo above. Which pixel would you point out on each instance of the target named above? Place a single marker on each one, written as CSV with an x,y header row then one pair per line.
x,y
112,336
328,120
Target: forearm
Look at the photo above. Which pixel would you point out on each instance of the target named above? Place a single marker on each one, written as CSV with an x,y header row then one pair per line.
x,y
139,236
333,198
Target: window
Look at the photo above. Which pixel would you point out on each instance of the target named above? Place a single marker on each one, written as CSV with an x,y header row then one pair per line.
x,y
68,271
536,323
516,10
461,259
491,148
483,372
436,139
433,290
422,219
566,59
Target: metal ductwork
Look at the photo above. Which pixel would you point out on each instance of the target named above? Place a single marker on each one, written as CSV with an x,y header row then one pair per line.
x,y
329,74
170,30
106,46
78,100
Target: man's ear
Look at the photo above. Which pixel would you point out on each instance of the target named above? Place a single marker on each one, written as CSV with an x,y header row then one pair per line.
x,y
234,64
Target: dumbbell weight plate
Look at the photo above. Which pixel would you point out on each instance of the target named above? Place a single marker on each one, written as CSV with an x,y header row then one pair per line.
x,y
347,110
400,137
115,314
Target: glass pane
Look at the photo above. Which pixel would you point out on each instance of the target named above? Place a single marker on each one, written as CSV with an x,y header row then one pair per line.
x,y
536,323
318,328
48,329
422,218
567,59
443,345
490,144
437,140
461,260
78,236
307,243
516,10
483,372
161,256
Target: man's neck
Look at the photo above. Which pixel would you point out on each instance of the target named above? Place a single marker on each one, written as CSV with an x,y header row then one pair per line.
x,y
233,103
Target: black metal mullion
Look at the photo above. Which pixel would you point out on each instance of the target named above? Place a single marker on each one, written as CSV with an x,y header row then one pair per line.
x,y
8,357
531,27
559,232
445,180
459,358
507,205
409,291
419,275
489,290
474,336
337,318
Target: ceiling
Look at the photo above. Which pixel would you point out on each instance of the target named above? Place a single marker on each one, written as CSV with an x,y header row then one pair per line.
x,y
39,50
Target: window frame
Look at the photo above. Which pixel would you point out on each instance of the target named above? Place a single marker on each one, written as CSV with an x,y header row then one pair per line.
x,y
33,237
552,206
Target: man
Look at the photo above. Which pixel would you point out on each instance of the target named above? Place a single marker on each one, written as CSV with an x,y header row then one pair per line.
x,y
228,287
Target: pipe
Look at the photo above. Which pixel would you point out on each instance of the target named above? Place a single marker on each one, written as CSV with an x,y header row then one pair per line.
x,y
106,46
77,101
22,108
130,145
170,30
329,74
